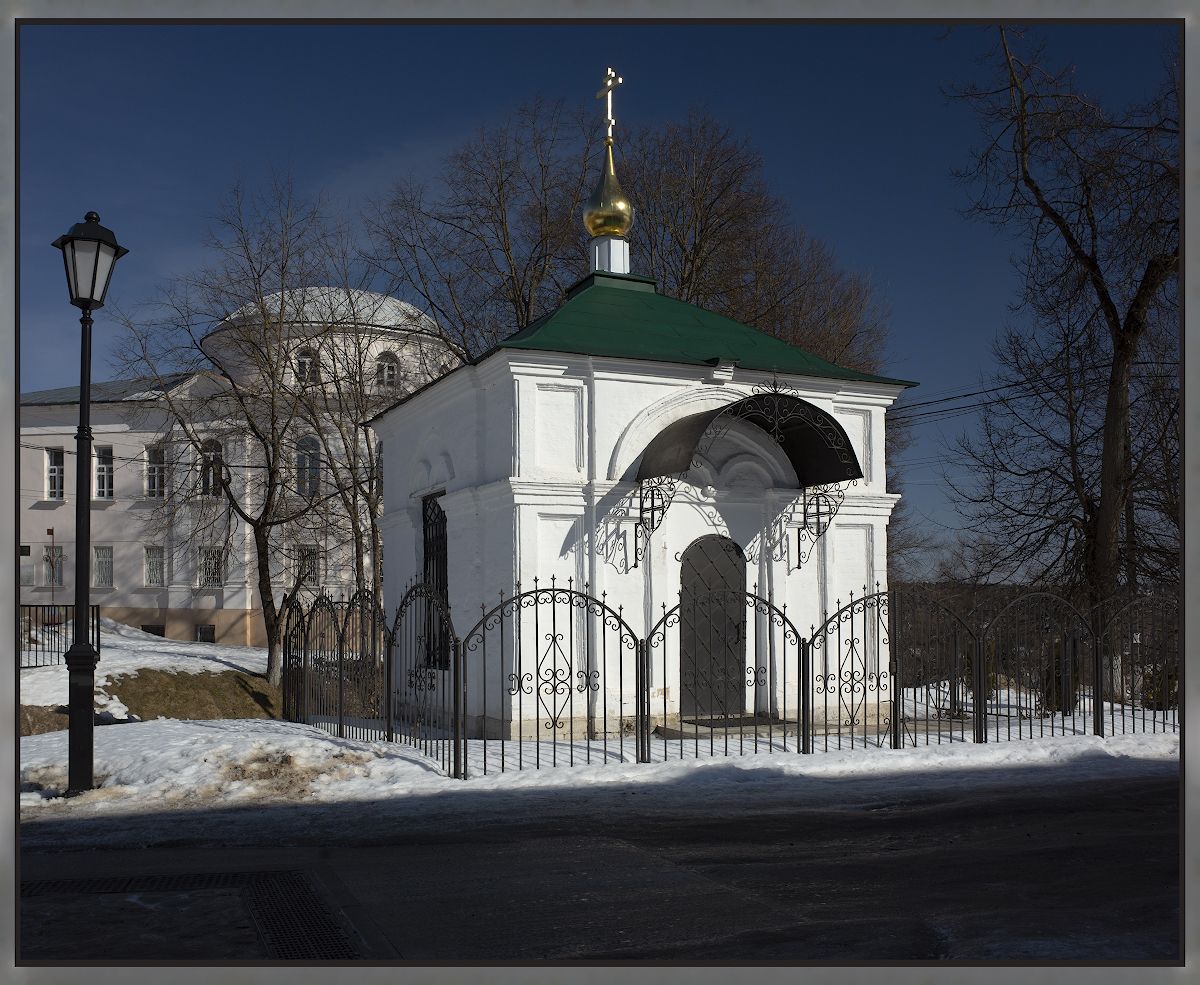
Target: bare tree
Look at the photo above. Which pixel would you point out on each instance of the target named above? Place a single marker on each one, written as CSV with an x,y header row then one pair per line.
x,y
496,241
1094,195
240,424
710,232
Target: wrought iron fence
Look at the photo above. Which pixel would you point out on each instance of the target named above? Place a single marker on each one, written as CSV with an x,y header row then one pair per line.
x,y
554,676
46,632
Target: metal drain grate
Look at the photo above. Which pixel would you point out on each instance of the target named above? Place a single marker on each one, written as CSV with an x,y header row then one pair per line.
x,y
293,922
291,919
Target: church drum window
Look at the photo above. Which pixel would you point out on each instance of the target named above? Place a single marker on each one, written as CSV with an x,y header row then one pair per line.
x,y
308,367
387,370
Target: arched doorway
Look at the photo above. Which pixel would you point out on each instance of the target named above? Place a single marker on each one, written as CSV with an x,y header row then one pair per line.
x,y
712,629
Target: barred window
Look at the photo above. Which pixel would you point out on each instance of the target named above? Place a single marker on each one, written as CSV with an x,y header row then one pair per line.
x,y
211,567
102,566
308,467
308,565
52,560
205,633
104,472
156,567
28,566
55,473
156,472
211,466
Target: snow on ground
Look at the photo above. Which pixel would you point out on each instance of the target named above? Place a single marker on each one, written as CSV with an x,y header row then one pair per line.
x,y
125,650
171,766
170,771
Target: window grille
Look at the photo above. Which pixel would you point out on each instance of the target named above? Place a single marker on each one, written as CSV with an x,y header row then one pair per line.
x,y
308,467
308,565
386,370
28,567
55,473
211,466
211,567
104,472
156,568
205,633
102,566
53,564
437,643
156,473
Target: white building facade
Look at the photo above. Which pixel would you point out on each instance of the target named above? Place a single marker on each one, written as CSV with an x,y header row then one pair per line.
x,y
169,559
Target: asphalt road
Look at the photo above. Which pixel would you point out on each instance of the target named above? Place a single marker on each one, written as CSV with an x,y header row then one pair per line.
x,y
1074,871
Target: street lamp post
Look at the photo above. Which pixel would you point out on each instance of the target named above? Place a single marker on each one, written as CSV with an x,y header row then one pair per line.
x,y
89,254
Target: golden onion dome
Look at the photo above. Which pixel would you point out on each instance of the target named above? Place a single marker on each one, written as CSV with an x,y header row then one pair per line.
x,y
608,212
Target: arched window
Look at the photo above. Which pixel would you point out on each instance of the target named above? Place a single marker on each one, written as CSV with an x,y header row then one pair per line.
x,y
212,465
308,467
308,367
387,370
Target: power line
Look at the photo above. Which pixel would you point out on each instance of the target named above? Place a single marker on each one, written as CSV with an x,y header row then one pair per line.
x,y
947,413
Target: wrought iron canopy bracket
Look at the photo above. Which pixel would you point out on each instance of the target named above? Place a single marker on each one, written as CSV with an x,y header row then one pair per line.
x,y
775,409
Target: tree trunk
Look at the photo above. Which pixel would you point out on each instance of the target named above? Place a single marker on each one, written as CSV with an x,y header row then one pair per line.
x,y
1130,528
1113,489
266,595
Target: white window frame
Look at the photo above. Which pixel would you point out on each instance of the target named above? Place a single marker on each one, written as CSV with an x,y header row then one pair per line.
x,y
56,474
387,371
155,556
105,472
102,565
156,472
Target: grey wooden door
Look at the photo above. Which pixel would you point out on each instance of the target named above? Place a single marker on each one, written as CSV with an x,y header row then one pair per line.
x,y
712,629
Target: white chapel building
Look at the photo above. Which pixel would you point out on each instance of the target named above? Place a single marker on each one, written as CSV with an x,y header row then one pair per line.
x,y
638,447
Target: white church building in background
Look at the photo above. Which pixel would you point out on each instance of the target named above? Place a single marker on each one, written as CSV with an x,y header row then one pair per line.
x,y
154,564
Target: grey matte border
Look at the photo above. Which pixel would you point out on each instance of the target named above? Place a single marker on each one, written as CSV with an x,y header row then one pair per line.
x,y
561,10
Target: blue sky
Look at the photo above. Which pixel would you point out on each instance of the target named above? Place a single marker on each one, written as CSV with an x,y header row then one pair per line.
x,y
850,119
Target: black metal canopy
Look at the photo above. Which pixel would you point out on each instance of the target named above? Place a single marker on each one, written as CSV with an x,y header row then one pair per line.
x,y
813,441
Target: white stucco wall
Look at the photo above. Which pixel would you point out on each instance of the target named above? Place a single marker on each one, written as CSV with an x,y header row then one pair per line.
x,y
536,453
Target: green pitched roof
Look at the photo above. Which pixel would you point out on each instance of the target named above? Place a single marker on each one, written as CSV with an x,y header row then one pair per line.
x,y
623,316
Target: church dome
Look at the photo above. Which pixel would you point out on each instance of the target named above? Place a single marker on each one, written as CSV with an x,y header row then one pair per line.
x,y
335,306
608,212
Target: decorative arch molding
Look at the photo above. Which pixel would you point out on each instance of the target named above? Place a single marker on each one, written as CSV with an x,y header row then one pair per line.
x,y
651,420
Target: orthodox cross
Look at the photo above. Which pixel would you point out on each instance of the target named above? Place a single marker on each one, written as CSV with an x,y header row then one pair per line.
x,y
611,81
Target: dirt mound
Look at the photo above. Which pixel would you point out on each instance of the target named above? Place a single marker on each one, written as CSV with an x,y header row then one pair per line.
x,y
152,694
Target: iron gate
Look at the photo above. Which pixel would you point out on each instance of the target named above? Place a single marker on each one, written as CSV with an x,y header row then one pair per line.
x,y
555,676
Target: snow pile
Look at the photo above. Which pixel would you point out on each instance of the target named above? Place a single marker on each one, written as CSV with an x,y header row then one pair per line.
x,y
124,651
